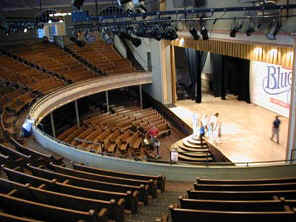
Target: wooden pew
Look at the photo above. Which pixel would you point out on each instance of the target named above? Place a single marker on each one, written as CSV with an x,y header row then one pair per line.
x,y
149,185
4,159
19,158
250,181
67,132
41,195
4,217
45,158
130,198
48,212
159,179
231,205
94,184
181,215
246,187
240,195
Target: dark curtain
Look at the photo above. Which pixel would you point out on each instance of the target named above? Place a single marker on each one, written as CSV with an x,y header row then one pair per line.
x,y
195,60
231,75
217,84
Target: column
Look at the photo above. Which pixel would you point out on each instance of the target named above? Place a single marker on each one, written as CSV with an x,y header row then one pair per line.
x,y
141,96
291,145
52,125
77,113
107,101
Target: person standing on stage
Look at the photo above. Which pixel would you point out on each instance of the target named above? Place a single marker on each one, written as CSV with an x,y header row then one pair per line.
x,y
276,129
213,125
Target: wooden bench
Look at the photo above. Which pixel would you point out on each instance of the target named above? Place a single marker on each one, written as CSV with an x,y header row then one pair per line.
x,y
240,195
12,218
160,180
19,158
94,184
250,181
232,205
3,158
181,215
45,158
67,132
149,185
164,129
41,195
130,198
48,212
246,187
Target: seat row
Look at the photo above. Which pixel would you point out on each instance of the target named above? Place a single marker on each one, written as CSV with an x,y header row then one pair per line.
x,y
103,56
123,129
237,200
83,192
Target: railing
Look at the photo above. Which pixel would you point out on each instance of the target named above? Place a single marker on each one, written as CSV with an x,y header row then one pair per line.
x,y
182,163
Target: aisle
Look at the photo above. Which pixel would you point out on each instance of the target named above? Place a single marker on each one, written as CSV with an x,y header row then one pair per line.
x,y
246,128
159,207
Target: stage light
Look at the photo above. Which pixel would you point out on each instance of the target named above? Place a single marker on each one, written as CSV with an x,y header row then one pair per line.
x,y
25,30
235,29
194,33
250,28
275,28
204,32
77,3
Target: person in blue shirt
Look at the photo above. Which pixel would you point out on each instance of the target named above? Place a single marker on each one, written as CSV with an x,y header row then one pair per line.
x,y
276,129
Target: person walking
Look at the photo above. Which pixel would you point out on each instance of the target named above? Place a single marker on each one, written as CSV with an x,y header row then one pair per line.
x,y
276,129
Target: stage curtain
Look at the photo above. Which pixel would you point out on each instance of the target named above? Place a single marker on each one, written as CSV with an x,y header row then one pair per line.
x,y
230,76
196,61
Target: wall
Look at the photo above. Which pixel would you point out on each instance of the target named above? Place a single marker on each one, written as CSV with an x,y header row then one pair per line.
x,y
155,90
140,52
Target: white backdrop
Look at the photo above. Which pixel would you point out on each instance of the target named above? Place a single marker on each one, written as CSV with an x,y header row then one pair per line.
x,y
270,87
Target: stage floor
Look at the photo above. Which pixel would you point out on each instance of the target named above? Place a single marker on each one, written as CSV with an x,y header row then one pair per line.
x,y
246,128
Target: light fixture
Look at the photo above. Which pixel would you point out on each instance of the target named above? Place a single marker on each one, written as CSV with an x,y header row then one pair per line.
x,y
236,27
194,33
274,29
77,3
250,28
204,32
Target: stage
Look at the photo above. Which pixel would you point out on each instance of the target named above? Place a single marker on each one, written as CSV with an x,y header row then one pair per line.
x,y
246,128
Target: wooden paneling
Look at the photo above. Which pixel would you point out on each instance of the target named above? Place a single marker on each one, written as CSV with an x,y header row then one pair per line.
x,y
273,54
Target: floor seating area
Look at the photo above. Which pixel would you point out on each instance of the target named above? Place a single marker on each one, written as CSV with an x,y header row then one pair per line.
x,y
103,56
120,131
237,200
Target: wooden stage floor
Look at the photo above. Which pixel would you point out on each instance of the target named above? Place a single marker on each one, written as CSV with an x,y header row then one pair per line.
x,y
246,128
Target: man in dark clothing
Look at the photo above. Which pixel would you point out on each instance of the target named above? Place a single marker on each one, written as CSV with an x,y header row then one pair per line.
x,y
276,129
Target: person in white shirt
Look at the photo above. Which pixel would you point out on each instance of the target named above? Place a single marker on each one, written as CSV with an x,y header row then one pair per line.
x,y
27,127
213,125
